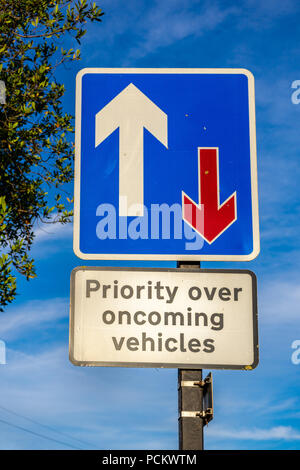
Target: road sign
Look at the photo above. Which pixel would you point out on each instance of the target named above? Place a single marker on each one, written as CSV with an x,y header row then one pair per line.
x,y
163,318
165,165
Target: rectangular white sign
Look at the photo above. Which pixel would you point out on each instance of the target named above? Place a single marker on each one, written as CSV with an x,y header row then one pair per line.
x,y
181,318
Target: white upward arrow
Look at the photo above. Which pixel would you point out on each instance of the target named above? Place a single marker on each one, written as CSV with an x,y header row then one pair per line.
x,y
131,111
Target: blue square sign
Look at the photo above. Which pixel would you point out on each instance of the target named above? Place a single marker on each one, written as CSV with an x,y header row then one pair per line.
x,y
165,165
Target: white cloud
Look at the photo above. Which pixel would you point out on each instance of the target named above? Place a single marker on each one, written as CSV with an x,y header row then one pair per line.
x,y
16,321
286,433
168,22
52,232
153,25
262,407
267,12
279,301
51,238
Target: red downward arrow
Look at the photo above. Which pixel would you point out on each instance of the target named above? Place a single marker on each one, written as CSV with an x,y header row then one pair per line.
x,y
209,218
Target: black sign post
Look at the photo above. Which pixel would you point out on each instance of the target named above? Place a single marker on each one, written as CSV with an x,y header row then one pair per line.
x,y
190,398
190,404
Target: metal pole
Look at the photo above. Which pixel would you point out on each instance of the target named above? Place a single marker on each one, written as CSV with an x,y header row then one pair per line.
x,y
190,398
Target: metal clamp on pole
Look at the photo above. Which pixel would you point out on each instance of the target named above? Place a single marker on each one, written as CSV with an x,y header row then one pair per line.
x,y
191,383
191,414
206,412
206,415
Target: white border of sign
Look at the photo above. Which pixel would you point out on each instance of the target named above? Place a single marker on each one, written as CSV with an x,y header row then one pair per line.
x,y
253,160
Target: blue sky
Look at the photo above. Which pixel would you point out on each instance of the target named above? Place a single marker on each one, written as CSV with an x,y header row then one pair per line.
x,y
45,401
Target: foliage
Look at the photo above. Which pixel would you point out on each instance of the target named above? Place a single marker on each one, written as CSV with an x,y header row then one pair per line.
x,y
36,151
